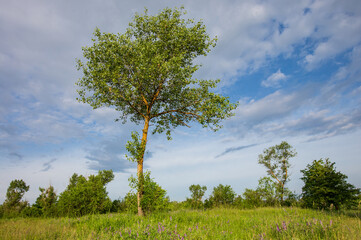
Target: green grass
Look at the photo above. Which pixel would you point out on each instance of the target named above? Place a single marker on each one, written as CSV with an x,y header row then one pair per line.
x,y
263,223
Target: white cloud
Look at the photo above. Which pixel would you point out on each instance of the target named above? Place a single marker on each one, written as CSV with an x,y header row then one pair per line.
x,y
275,79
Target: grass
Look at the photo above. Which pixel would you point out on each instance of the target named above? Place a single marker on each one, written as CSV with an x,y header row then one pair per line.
x,y
263,223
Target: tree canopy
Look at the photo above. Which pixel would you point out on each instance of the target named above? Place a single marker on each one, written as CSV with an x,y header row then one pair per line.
x,y
14,204
146,74
86,195
325,187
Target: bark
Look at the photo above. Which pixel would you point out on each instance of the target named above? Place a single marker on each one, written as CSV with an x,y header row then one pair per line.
x,y
140,168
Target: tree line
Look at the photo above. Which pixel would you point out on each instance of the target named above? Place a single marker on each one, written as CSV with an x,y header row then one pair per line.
x,y
324,188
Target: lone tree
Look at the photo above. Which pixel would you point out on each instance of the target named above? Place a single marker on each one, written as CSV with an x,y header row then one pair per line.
x,y
275,159
146,74
325,186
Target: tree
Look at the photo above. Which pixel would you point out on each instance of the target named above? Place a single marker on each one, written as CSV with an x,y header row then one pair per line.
x,y
276,160
83,196
46,201
324,186
146,74
222,195
197,194
252,198
267,190
13,204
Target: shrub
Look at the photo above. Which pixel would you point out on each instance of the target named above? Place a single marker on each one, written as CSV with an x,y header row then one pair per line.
x,y
221,196
84,196
154,197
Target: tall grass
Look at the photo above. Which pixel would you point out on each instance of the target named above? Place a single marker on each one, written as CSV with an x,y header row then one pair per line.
x,y
264,223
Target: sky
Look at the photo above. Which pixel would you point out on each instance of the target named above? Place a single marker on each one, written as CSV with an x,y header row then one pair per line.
x,y
293,66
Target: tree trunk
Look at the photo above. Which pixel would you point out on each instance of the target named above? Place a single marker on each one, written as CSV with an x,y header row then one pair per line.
x,y
140,168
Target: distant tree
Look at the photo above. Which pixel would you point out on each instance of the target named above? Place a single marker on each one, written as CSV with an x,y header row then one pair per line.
x,y
268,191
276,160
46,201
325,187
83,196
197,194
154,198
252,198
146,74
222,195
118,205
14,204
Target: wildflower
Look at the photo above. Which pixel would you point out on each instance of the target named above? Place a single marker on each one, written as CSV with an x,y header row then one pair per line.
x,y
330,222
284,226
278,229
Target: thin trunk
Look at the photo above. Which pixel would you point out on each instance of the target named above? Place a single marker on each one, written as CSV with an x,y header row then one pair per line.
x,y
140,168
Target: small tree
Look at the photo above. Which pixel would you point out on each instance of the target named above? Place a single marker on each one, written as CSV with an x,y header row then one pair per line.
x,y
146,74
276,160
197,194
83,196
252,198
13,204
267,190
222,195
324,186
46,201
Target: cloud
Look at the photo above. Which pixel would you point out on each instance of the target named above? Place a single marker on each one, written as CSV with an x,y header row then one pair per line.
x,y
48,165
336,30
109,154
16,156
273,106
275,79
234,149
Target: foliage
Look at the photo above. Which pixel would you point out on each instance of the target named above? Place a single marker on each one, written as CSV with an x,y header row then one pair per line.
x,y
276,160
146,74
118,206
13,204
222,195
268,191
83,196
325,187
252,198
46,202
197,193
154,198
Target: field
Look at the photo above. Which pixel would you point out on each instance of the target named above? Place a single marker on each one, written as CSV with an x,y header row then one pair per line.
x,y
262,223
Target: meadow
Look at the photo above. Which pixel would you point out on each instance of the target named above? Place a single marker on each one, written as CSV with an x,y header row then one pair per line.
x,y
219,223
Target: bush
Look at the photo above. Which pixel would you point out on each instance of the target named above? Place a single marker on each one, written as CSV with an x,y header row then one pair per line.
x,y
195,202
221,196
46,202
84,196
326,188
154,197
252,198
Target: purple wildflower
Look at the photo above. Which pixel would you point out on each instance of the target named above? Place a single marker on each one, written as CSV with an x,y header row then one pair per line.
x,y
330,222
284,226
278,229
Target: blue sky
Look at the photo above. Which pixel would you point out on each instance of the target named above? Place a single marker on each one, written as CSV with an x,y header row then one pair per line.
x,y
294,67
